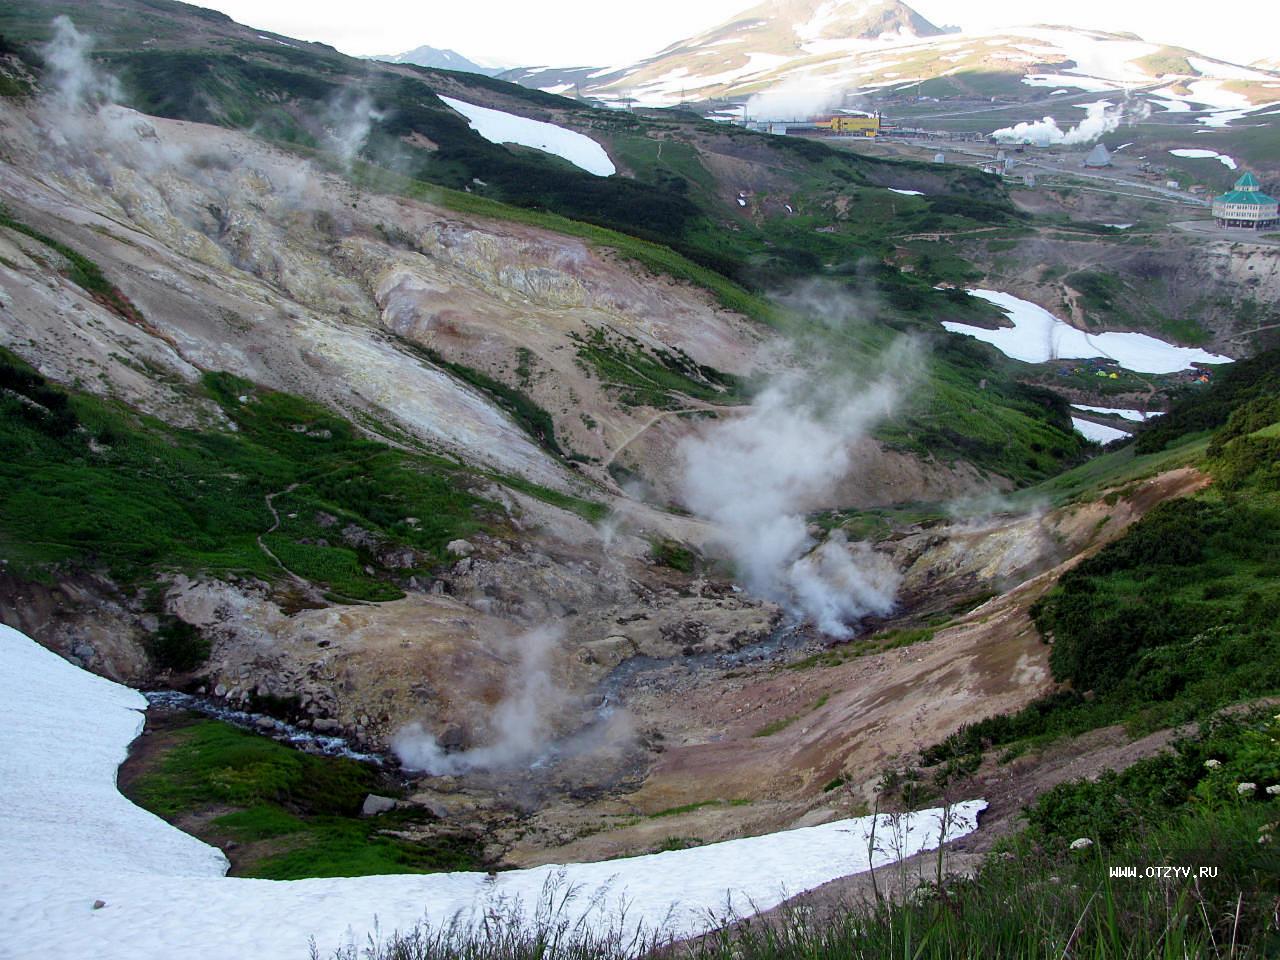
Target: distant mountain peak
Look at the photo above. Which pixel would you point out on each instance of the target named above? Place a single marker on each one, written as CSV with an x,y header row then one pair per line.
x,y
813,20
439,58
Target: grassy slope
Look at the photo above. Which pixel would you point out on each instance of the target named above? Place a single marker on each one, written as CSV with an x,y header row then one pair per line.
x,y
91,483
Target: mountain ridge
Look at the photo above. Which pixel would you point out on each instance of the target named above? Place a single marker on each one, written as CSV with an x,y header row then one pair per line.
x,y
876,49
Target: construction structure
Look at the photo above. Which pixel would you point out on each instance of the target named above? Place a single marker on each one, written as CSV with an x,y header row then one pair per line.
x,y
1247,206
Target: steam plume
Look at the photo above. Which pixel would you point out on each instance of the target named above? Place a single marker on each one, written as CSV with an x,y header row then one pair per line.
x,y
348,122
521,726
71,78
754,477
1100,119
797,99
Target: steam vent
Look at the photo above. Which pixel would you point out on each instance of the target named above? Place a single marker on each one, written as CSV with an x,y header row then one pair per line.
x,y
1246,205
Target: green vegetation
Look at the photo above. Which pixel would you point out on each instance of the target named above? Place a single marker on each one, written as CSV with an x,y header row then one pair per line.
x,y
1121,299
176,645
1199,409
685,808
1167,60
853,649
593,511
1121,468
90,483
974,409
649,377
671,553
1178,618
293,814
775,726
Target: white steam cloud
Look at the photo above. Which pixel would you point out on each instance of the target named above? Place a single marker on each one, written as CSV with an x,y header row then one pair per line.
x,y
755,477
1101,118
348,122
520,727
71,78
797,99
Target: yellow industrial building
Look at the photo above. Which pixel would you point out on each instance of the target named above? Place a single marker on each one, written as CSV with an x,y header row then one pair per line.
x,y
847,126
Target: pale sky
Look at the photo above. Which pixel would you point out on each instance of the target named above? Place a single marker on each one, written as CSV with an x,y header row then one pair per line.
x,y
600,33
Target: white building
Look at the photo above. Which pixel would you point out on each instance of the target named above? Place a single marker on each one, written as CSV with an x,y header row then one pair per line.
x,y
1246,206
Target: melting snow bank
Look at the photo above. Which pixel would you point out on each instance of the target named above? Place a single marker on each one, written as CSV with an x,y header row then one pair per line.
x,y
498,127
70,839
1097,432
907,193
1037,336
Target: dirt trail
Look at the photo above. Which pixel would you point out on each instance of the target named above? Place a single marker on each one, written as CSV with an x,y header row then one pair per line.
x,y
269,499
694,406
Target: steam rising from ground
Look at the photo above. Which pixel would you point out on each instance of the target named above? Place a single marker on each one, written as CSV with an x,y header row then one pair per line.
x,y
522,729
348,122
72,80
756,476
798,99
1100,119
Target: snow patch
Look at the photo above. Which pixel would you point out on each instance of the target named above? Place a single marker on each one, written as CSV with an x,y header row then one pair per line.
x,y
1136,415
907,193
1037,336
499,127
1097,432
1194,154
1087,84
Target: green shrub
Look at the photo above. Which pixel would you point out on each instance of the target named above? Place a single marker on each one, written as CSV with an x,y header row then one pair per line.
x,y
177,645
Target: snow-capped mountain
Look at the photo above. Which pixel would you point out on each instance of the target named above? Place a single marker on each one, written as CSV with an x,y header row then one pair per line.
x,y
442,59
830,48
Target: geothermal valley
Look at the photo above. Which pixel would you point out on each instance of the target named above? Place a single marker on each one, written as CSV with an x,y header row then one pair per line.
x,y
421,499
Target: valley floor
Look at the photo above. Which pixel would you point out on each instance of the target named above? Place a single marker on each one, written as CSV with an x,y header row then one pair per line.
x,y
86,873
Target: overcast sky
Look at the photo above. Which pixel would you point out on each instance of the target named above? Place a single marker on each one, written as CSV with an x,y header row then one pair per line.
x,y
597,32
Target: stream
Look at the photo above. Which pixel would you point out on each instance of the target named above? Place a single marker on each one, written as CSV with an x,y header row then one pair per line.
x,y
326,745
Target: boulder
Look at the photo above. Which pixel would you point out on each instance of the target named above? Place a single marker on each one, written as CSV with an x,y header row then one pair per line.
x,y
460,548
374,805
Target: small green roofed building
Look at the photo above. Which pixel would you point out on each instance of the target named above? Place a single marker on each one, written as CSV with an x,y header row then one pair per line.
x,y
1246,206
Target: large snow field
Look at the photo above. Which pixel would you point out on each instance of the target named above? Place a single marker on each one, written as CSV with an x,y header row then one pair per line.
x,y
70,839
499,127
1037,336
